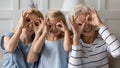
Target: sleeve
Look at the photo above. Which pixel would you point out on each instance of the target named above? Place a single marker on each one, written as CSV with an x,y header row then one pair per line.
x,y
113,43
75,57
2,40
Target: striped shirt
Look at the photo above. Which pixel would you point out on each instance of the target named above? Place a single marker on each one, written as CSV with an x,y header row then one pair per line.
x,y
95,55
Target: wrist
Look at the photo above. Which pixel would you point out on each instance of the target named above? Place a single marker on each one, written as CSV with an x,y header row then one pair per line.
x,y
37,33
20,27
76,37
100,25
66,31
75,42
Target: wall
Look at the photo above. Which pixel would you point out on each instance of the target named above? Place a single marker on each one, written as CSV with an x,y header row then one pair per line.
x,y
108,10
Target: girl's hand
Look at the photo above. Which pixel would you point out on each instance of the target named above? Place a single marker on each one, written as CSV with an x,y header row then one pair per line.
x,y
76,28
61,26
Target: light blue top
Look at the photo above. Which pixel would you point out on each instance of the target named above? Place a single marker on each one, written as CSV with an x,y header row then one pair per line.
x,y
17,59
53,55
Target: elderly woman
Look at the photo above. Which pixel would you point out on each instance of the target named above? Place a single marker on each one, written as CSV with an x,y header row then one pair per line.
x,y
91,46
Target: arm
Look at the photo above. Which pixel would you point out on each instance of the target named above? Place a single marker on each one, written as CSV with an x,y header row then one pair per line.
x,y
67,41
75,57
113,43
76,53
10,44
36,49
37,44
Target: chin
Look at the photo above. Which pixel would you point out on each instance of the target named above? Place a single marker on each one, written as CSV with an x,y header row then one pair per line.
x,y
89,34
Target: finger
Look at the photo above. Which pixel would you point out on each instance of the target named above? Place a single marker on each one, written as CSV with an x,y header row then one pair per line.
x,y
25,13
92,11
75,17
95,11
82,27
59,25
87,18
71,20
46,21
88,10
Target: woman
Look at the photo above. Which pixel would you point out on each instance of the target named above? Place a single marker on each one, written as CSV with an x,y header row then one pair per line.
x,y
16,45
91,47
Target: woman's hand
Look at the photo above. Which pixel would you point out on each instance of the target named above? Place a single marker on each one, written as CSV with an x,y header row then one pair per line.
x,y
93,18
37,25
24,19
46,27
77,28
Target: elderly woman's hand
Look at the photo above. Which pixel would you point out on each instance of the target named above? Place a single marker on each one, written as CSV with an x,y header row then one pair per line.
x,y
77,28
93,18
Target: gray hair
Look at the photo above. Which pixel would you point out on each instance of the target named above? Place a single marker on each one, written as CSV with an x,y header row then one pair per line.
x,y
79,9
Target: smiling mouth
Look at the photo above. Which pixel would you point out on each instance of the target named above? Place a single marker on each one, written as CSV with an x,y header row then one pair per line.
x,y
54,32
29,30
88,30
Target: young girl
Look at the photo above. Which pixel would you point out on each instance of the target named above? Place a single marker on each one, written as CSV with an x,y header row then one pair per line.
x,y
54,50
15,45
90,47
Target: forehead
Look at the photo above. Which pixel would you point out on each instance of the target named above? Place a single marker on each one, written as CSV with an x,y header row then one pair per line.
x,y
54,20
82,16
32,16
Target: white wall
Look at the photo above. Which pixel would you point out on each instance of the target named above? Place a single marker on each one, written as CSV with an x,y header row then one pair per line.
x,y
109,11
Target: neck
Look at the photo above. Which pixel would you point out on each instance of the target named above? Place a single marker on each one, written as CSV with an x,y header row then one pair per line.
x,y
52,38
90,39
25,39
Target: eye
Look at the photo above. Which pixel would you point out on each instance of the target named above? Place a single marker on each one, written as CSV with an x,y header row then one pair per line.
x,y
59,25
28,19
49,25
89,19
36,23
79,24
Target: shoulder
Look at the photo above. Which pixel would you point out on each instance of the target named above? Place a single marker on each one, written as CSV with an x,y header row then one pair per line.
x,y
10,34
7,34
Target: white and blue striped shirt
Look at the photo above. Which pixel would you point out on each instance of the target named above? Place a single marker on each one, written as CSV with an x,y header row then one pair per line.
x,y
95,55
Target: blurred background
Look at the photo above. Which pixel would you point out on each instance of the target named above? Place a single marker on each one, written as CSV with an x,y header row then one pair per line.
x,y
108,10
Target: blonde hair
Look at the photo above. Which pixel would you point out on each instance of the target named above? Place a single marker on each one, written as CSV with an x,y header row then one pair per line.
x,y
36,12
79,9
31,11
56,14
59,15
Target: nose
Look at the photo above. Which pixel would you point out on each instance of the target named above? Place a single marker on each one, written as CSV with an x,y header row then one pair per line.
x,y
30,26
86,25
53,27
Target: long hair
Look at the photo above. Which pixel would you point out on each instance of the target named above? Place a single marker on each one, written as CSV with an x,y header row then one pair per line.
x,y
32,10
56,14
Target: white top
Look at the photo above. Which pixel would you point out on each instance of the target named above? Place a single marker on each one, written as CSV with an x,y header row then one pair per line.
x,y
95,55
